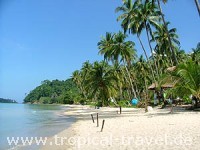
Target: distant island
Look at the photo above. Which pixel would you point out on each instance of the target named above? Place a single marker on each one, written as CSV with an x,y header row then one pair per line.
x,y
3,100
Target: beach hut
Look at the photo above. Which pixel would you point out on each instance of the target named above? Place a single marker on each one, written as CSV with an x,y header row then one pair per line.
x,y
167,85
170,69
153,86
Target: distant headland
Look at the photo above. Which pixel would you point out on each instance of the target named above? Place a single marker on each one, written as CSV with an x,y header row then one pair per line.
x,y
3,100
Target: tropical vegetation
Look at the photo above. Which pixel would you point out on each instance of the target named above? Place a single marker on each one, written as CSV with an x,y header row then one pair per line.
x,y
3,100
52,92
123,75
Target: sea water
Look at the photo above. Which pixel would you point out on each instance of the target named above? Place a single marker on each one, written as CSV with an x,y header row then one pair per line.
x,y
30,120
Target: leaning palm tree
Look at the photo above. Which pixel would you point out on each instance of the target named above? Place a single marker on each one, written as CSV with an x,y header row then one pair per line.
x,y
142,73
148,16
130,21
125,50
166,28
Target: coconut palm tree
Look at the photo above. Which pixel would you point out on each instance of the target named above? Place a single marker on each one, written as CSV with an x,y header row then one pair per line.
x,y
160,36
125,50
102,82
182,56
105,46
148,15
78,80
130,21
85,70
117,49
166,28
76,77
143,79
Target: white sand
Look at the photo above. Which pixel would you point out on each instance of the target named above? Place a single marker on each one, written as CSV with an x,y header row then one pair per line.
x,y
132,130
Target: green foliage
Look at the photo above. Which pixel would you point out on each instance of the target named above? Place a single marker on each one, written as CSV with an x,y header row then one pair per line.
x,y
51,92
122,76
124,103
187,100
186,81
3,100
44,100
82,101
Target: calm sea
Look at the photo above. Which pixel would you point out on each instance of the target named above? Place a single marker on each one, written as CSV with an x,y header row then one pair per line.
x,y
28,120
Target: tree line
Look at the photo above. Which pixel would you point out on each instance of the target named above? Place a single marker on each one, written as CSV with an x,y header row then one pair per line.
x,y
53,92
123,75
3,100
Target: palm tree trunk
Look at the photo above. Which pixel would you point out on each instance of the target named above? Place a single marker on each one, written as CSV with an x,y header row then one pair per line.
x,y
147,31
146,95
121,91
170,42
132,88
197,5
129,94
81,89
137,92
138,36
129,81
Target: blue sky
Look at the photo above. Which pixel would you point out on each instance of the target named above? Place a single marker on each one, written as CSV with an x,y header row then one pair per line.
x,y
49,39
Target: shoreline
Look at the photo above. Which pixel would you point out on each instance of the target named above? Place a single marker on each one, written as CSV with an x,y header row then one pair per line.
x,y
69,111
133,129
22,125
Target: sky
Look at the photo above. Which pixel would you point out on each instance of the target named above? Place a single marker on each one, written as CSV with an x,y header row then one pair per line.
x,y
49,39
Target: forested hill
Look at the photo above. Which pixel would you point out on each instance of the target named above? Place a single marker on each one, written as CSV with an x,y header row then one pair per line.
x,y
55,91
3,100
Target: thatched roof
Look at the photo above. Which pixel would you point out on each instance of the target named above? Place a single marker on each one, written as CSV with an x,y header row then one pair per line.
x,y
170,69
154,86
167,85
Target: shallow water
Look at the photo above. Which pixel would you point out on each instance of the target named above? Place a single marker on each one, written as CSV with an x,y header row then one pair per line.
x,y
28,120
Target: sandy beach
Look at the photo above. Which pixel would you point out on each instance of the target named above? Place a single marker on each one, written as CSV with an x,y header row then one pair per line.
x,y
131,130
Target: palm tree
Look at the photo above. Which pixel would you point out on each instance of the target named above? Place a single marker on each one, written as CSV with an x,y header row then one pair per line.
x,y
130,21
78,80
102,82
117,49
196,54
76,77
186,80
162,62
160,36
148,15
182,56
85,70
125,50
105,46
142,70
166,28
